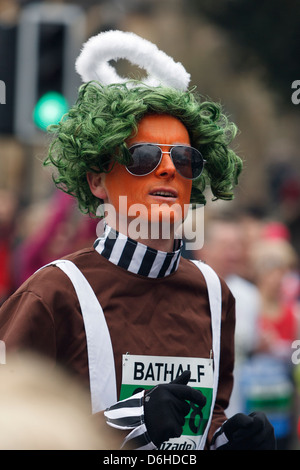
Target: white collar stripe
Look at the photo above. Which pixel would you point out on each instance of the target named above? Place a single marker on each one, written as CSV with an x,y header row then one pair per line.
x,y
147,262
117,250
135,262
127,254
106,246
165,266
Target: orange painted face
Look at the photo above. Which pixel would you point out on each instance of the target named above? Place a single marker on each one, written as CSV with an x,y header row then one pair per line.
x,y
143,190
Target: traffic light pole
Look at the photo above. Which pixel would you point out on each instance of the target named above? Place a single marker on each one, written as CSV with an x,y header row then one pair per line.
x,y
72,19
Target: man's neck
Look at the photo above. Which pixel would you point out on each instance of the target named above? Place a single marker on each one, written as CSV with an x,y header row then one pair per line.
x,y
154,236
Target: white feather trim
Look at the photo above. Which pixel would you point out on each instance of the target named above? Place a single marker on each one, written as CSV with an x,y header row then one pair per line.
x,y
92,63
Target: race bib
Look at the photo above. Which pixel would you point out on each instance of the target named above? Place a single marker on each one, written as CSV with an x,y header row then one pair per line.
x,y
145,372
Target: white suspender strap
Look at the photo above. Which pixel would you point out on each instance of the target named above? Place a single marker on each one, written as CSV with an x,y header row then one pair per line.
x,y
215,300
99,347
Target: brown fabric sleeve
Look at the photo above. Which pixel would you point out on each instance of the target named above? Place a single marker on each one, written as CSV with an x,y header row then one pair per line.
x,y
43,316
26,323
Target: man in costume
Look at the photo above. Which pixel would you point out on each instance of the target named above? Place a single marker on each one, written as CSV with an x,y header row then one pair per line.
x,y
150,333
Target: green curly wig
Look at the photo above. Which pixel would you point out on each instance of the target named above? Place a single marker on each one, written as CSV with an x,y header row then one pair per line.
x,y
94,131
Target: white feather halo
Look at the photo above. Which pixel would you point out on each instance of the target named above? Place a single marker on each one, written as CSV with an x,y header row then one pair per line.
x,y
92,63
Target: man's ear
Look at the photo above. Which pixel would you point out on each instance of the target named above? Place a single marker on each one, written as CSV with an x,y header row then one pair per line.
x,y
96,184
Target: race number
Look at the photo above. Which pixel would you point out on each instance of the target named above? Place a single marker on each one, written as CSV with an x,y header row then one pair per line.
x,y
145,372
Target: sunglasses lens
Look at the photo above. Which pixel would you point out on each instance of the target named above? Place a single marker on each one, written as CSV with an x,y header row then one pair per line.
x,y
188,161
144,159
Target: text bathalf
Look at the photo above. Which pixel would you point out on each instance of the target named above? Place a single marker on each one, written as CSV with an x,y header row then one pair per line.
x,y
164,372
150,370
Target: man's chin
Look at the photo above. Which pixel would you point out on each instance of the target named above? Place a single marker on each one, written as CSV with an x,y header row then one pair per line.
x,y
144,221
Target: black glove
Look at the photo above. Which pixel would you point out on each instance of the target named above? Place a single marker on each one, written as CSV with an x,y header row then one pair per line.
x,y
253,432
165,408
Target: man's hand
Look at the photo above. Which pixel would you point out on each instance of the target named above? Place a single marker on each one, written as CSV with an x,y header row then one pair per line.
x,y
242,432
165,408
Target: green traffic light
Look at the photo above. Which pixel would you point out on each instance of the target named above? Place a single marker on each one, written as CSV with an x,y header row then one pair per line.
x,y
49,109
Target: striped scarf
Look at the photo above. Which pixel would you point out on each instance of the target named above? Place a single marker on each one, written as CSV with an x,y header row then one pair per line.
x,y
136,257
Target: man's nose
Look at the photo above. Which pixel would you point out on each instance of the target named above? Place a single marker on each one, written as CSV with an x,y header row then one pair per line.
x,y
166,168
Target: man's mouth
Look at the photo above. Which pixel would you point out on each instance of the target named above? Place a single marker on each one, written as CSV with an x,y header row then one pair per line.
x,y
162,193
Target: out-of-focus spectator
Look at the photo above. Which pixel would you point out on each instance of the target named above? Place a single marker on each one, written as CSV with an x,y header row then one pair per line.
x,y
252,221
275,265
48,231
8,209
275,262
273,230
290,286
44,408
224,251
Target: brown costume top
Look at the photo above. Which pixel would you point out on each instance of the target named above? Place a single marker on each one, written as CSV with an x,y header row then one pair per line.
x,y
154,304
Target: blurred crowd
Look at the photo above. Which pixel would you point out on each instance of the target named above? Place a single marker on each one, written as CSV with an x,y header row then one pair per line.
x,y
32,236
255,256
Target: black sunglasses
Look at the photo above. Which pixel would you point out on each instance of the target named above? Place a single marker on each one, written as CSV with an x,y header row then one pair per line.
x,y
145,158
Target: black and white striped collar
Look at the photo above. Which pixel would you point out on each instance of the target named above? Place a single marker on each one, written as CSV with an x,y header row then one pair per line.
x,y
136,257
